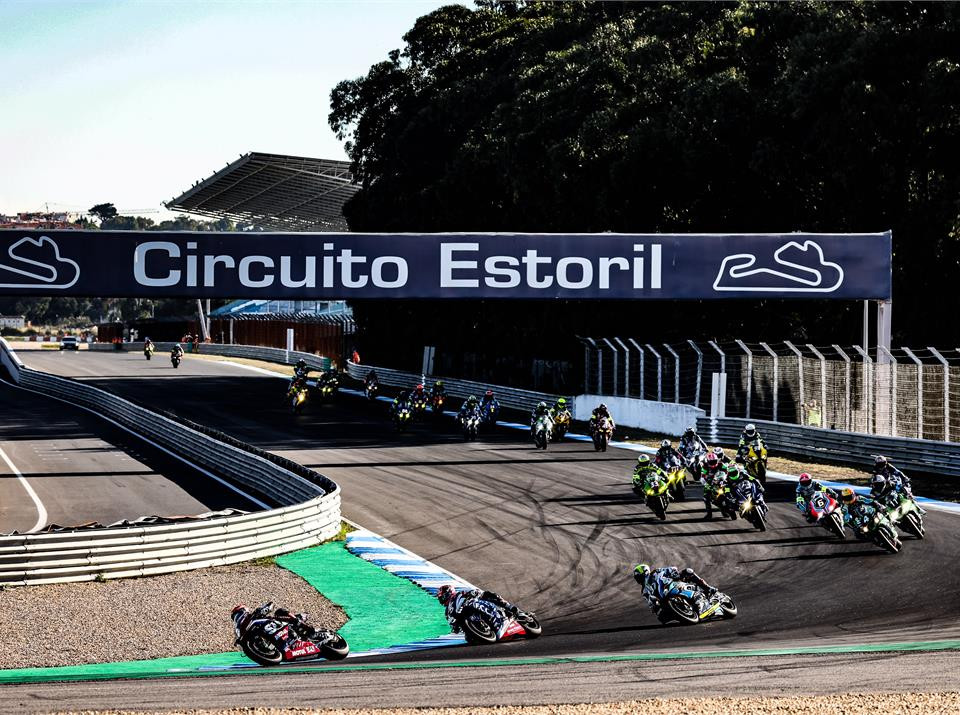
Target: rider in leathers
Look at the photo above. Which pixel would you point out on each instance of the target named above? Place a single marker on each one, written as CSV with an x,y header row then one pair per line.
x,y
749,437
806,488
858,511
654,581
467,408
539,411
712,475
598,414
667,456
896,481
450,598
644,470
691,446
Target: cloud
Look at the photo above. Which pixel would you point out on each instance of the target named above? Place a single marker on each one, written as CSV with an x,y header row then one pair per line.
x,y
37,263
797,268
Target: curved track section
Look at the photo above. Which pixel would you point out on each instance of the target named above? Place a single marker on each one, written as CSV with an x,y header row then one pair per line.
x,y
558,531
82,468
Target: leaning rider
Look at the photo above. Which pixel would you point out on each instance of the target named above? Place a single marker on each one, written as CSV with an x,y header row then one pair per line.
x,y
643,471
598,414
857,510
657,581
736,474
450,597
713,476
894,480
667,457
807,486
691,446
300,369
749,438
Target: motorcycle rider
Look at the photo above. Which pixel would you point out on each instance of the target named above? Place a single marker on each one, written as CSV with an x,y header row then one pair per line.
x,y
450,598
749,438
438,390
598,414
893,480
177,350
653,581
736,474
667,456
419,394
299,620
807,486
488,399
468,407
559,406
722,456
371,380
541,410
857,511
644,470
713,474
300,369
691,445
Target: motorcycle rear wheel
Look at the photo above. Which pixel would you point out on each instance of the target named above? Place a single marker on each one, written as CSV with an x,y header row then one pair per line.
x,y
336,648
258,649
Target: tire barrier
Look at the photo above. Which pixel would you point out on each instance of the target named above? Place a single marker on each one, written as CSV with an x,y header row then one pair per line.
x,y
308,503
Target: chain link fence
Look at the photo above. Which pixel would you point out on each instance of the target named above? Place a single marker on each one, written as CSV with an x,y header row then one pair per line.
x,y
903,392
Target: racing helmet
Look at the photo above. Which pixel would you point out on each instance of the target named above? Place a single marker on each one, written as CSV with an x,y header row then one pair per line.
x,y
542,406
488,393
877,484
848,496
689,431
301,363
472,400
640,573
664,444
419,387
561,401
179,346
750,430
445,593
712,459
719,452
643,460
602,406
880,461
438,383
805,480
733,474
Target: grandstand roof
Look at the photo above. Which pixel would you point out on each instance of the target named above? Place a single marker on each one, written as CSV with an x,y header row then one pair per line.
x,y
274,191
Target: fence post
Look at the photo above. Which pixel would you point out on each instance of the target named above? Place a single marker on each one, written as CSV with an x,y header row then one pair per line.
x,y
749,372
586,362
776,378
626,367
616,372
696,394
913,357
803,401
723,357
659,372
891,364
868,388
846,399
946,393
823,382
639,350
676,374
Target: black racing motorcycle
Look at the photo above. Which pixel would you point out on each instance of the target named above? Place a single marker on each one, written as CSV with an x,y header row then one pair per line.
x,y
280,637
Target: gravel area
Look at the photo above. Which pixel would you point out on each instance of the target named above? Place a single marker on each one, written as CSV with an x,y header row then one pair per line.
x,y
185,613
853,704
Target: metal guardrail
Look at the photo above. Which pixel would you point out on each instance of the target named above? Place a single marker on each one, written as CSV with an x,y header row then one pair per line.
x,y
833,445
309,504
252,352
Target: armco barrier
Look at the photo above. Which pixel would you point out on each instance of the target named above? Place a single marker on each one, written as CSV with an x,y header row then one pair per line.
x,y
309,504
833,445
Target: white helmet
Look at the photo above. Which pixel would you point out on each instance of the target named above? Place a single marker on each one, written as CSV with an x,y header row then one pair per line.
x,y
750,430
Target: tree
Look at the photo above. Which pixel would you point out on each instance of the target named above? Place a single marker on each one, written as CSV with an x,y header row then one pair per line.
x,y
103,211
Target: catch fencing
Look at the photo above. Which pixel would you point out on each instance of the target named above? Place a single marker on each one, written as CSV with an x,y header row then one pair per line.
x,y
903,392
307,503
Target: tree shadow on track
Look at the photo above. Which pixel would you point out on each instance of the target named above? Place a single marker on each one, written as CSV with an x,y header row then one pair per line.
x,y
820,557
688,534
782,542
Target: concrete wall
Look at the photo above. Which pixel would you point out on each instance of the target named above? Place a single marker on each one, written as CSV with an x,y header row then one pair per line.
x,y
663,417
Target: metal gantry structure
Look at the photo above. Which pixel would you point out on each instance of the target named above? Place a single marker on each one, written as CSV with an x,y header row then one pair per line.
x,y
901,392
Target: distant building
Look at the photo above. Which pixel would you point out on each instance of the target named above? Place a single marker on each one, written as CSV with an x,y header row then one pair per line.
x,y
12,321
40,221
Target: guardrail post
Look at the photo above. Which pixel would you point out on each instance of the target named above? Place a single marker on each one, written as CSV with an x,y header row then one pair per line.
x,y
946,392
868,388
642,371
593,344
676,374
659,372
723,357
846,400
913,357
823,381
803,401
616,372
696,393
776,378
749,372
891,364
626,367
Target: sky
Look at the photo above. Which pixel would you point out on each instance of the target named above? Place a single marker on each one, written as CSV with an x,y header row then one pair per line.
x,y
132,102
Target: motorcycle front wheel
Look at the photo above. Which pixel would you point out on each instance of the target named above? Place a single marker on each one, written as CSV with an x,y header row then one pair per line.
x,y
258,649
336,648
683,609
530,624
913,524
727,607
477,630
888,542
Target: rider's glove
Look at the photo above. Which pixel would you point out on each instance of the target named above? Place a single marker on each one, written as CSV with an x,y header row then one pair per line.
x,y
712,590
513,610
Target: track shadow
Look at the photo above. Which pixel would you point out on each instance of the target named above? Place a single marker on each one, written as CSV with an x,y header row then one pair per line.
x,y
820,557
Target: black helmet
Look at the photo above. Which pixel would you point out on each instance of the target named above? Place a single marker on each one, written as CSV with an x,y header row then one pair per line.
x,y
602,406
665,443
880,461
301,363
445,593
877,484
690,430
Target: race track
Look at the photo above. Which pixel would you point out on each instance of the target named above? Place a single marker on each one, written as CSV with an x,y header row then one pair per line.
x,y
83,469
558,532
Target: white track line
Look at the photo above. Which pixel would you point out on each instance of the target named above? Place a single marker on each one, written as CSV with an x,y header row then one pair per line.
x,y
41,509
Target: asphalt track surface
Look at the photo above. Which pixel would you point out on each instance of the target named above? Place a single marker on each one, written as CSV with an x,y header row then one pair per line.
x,y
84,469
559,531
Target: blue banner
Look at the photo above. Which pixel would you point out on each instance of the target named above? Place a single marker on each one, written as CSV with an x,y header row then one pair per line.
x,y
495,265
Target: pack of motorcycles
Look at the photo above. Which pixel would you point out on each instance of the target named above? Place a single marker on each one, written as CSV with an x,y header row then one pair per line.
x,y
271,636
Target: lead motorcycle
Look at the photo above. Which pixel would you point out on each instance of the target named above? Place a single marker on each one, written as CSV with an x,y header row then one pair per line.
x,y
489,413
279,638
297,394
485,622
827,512
602,434
328,385
687,603
175,359
371,389
470,424
542,429
653,487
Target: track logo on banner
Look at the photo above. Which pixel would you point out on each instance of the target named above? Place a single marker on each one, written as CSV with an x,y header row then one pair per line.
x,y
37,263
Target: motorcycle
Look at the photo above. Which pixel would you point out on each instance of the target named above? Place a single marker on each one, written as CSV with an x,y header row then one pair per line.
x,y
542,429
880,530
271,640
904,512
489,412
436,403
686,603
826,511
485,622
175,360
470,424
602,434
561,423
747,503
371,389
328,384
655,492
694,460
297,395
402,415
419,402
676,479
756,463
148,352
